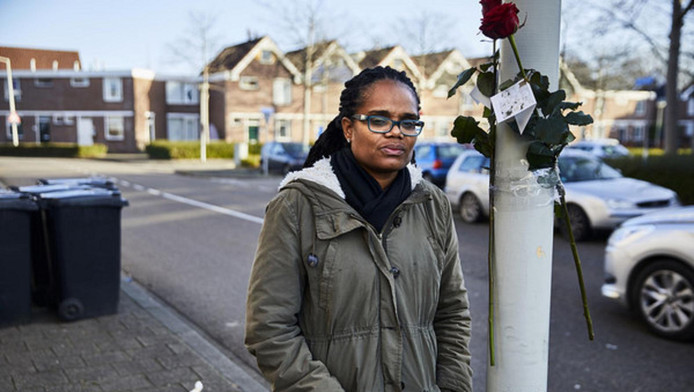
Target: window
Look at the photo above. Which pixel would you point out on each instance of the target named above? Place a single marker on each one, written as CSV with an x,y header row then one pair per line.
x,y
182,93
690,106
638,133
182,127
63,119
640,108
282,91
43,82
283,129
8,128
249,83
45,128
266,57
113,90
114,128
79,82
16,89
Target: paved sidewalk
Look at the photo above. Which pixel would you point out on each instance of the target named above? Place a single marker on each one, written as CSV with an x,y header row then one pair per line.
x,y
145,347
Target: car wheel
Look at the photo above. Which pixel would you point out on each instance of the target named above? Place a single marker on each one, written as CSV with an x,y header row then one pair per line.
x,y
580,224
663,294
470,208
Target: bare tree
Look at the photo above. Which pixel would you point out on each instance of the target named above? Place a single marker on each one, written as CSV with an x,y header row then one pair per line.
x,y
426,32
652,24
198,43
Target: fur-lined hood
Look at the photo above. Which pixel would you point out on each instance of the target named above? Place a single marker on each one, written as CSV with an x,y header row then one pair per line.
x,y
322,173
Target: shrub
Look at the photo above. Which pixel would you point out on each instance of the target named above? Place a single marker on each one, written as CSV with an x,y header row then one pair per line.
x,y
164,149
60,150
675,172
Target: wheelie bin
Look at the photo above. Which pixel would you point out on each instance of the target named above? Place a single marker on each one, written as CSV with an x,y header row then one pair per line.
x,y
94,182
83,230
16,210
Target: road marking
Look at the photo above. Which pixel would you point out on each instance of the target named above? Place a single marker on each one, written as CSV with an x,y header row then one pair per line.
x,y
212,207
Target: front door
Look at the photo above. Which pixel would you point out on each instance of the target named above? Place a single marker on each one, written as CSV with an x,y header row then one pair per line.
x,y
85,131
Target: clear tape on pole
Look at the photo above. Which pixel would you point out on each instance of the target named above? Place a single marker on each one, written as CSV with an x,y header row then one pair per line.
x,y
527,187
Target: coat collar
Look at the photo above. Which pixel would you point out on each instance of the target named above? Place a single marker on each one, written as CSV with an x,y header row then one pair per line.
x,y
322,173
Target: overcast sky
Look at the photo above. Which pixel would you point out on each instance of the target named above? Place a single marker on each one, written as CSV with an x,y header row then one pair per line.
x,y
124,34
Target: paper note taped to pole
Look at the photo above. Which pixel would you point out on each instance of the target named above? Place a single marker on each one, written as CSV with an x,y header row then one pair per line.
x,y
516,102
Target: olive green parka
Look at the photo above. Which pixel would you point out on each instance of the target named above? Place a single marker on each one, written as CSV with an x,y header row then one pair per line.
x,y
334,305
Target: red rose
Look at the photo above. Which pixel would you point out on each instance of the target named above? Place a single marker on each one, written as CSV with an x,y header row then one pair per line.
x,y
500,21
488,5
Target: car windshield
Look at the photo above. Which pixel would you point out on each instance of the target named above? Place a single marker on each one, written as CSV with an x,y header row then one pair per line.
x,y
573,169
296,149
450,151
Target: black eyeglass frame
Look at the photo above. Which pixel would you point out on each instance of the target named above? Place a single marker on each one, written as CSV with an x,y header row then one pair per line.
x,y
419,125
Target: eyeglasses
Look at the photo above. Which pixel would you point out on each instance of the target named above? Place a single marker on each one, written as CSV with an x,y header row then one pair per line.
x,y
381,124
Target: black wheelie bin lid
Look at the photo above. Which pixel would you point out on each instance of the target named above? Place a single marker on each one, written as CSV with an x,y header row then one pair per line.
x,y
10,200
97,182
83,198
40,189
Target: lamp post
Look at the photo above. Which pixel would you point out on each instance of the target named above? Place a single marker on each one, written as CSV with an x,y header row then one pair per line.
x,y
204,113
10,89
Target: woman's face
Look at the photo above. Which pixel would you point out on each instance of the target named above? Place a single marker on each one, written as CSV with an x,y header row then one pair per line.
x,y
383,154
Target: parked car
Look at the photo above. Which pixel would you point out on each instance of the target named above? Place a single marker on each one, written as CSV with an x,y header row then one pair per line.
x,y
603,148
283,157
649,267
435,158
597,196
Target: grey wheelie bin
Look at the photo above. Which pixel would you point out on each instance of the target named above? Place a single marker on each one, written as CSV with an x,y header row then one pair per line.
x,y
42,282
84,237
94,182
16,210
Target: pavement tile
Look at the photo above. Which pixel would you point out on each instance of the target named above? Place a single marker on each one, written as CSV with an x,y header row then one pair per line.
x,y
173,376
144,365
128,383
52,363
52,377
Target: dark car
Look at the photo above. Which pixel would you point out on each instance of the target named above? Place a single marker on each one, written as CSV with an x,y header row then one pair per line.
x,y
283,157
435,158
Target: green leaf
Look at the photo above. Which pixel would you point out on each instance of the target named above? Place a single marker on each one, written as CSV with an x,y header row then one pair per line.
x,y
462,79
486,83
485,147
554,100
570,105
539,156
465,129
579,118
551,130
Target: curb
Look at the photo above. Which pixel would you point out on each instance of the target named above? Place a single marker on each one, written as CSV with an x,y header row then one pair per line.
x,y
190,336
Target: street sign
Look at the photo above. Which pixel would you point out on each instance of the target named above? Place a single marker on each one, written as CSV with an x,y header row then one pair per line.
x,y
13,118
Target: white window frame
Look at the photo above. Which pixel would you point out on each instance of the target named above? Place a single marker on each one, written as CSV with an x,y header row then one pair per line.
x,y
282,91
182,93
640,108
690,106
115,119
17,90
190,126
79,82
285,125
249,83
266,56
115,95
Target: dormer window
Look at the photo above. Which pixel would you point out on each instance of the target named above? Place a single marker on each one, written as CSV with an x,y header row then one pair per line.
x,y
32,65
55,65
266,57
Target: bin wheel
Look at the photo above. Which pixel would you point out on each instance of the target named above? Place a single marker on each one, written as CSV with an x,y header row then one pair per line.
x,y
70,309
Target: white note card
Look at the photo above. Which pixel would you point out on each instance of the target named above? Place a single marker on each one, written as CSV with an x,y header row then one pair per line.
x,y
516,102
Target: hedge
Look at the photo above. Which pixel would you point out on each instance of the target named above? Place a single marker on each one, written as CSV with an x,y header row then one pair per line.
x,y
671,171
163,149
60,150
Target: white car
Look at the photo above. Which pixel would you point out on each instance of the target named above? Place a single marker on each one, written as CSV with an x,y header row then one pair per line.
x,y
598,197
649,266
603,148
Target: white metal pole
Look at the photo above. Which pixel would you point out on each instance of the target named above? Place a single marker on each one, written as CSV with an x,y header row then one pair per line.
x,y
204,115
10,91
524,224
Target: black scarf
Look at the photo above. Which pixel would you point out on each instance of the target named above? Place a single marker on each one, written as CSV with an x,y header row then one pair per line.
x,y
363,192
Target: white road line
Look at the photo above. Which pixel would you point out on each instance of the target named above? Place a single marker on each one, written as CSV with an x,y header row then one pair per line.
x,y
212,207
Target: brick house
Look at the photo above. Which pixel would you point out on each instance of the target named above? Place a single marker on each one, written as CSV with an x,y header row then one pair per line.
x,y
257,94
59,102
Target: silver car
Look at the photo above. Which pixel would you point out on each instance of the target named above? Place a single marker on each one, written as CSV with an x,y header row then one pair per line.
x,y
603,148
649,266
598,197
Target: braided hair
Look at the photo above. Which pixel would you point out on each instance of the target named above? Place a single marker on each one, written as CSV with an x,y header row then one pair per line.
x,y
333,138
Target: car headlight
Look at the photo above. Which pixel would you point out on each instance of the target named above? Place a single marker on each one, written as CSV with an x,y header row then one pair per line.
x,y
619,204
629,234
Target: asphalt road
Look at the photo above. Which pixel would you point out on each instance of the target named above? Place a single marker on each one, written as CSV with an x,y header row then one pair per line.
x,y
191,240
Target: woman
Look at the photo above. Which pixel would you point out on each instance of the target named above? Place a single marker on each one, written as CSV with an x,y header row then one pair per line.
x,y
356,283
